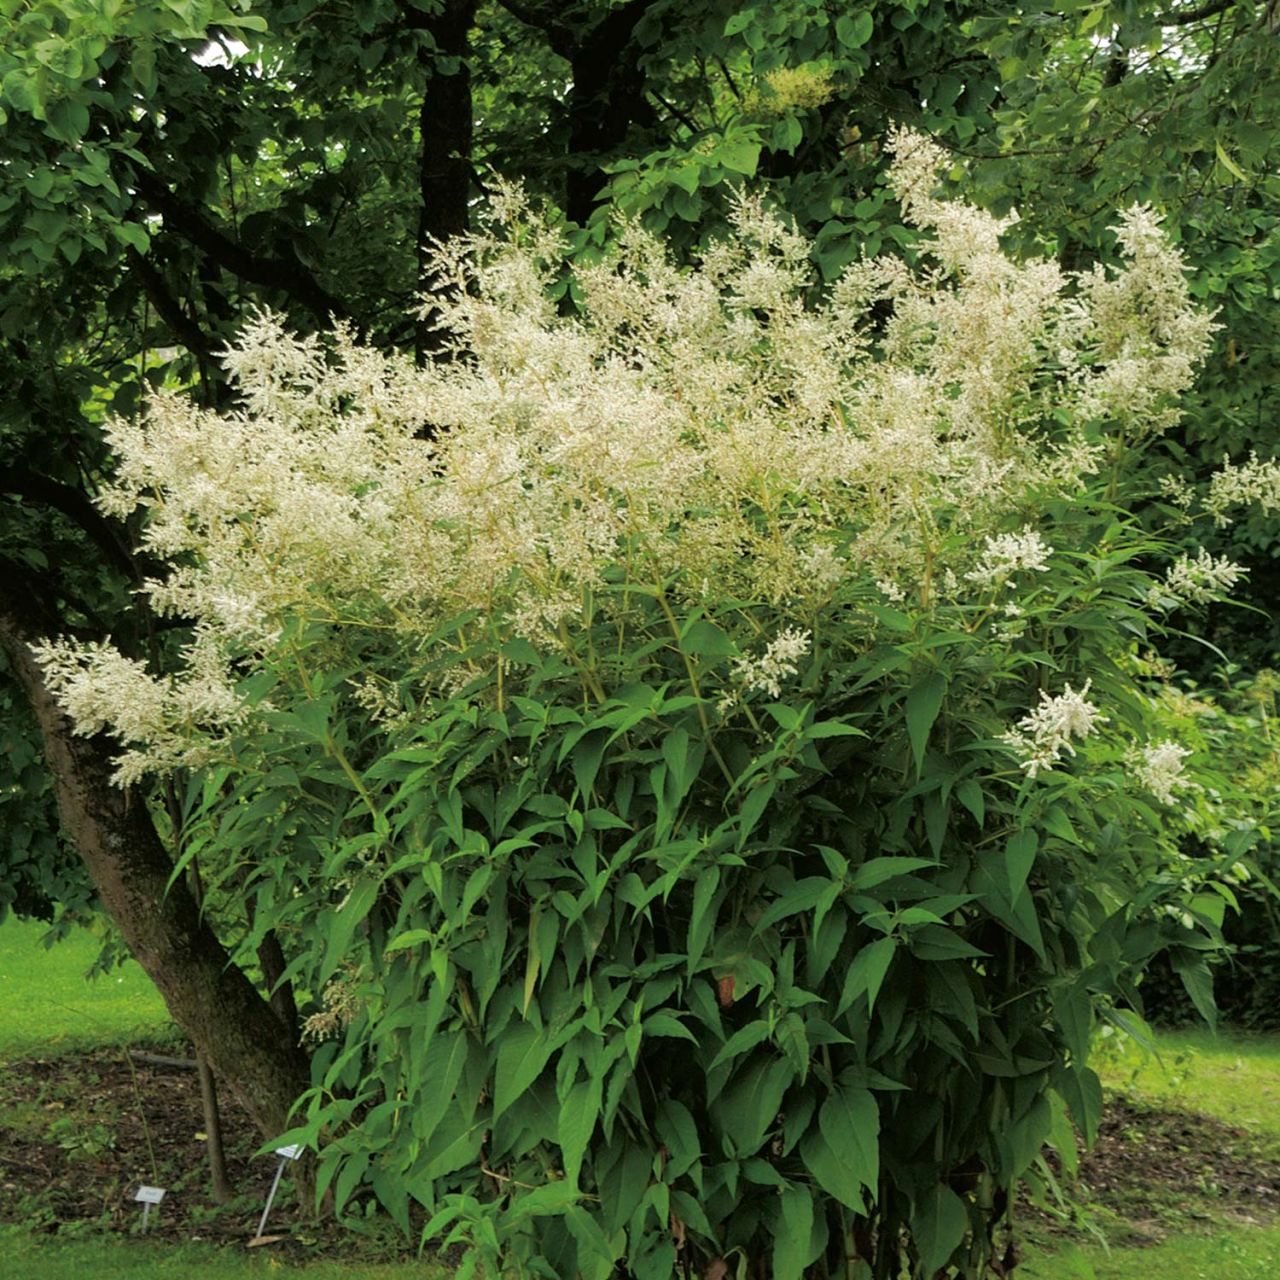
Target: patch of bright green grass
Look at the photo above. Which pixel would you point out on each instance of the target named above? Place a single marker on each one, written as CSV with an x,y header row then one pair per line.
x,y
1242,1253
27,1257
1233,1076
49,1006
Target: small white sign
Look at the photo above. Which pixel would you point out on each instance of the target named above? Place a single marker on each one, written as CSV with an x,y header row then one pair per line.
x,y
290,1153
150,1195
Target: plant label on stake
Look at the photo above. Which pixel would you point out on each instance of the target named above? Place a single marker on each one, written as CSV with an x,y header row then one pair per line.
x,y
148,1196
286,1154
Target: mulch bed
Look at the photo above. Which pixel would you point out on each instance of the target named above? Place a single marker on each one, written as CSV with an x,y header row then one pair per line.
x,y
1149,1160
78,1136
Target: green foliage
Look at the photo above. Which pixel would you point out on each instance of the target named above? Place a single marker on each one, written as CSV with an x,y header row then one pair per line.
x,y
613,971
1235,723
622,979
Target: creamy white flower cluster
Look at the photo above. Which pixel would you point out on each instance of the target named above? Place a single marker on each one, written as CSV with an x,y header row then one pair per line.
x,y
167,722
1202,579
780,659
1158,768
1257,480
1007,553
1042,736
722,424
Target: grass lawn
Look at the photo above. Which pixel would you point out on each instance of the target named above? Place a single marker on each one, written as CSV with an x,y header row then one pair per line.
x,y
1242,1253
1232,1076
48,1005
34,1258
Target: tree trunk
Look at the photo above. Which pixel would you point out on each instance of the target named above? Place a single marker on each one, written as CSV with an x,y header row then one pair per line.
x,y
233,1028
445,125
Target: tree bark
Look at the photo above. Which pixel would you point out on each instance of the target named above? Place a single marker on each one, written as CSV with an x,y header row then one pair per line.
x,y
445,128
607,98
230,1024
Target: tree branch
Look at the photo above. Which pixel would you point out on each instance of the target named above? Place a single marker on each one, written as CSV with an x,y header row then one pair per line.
x,y
1184,17
187,332
607,98
445,127
559,37
46,492
209,996
191,223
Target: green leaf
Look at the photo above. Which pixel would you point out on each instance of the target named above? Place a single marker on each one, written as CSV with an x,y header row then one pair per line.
x,y
679,1134
131,234
748,1106
523,1051
1228,163
20,91
854,31
969,793
739,156
875,871
923,704
704,639
843,1152
742,1041
866,973
1080,1088
666,1023
702,915
68,120
578,1115
938,1224
344,921
1019,856
441,1070
1021,1141
791,1242
1197,981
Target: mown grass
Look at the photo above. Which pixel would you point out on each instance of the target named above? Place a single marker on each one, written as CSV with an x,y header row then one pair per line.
x,y
1241,1253
50,1007
24,1257
1233,1076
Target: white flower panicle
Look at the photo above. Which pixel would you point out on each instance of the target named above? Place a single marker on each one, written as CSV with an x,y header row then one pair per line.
x,y
1158,768
726,423
1042,736
1257,480
780,659
165,723
1008,553
1202,579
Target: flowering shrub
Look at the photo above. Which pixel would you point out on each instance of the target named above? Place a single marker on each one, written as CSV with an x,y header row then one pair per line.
x,y
699,747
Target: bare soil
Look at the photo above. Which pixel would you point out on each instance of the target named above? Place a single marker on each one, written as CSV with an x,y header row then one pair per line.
x,y
79,1134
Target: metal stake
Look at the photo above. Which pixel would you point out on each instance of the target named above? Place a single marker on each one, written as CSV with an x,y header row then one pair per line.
x,y
271,1195
286,1154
